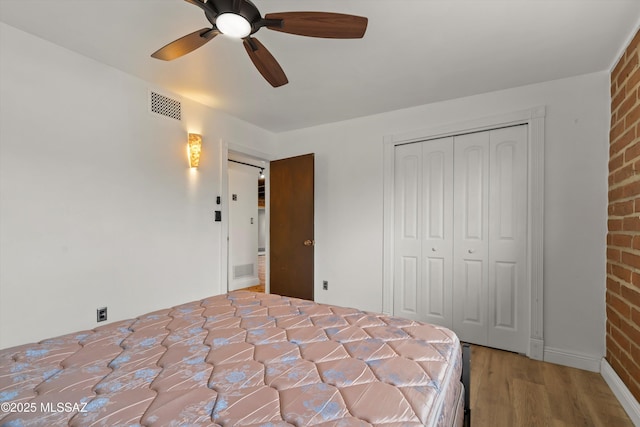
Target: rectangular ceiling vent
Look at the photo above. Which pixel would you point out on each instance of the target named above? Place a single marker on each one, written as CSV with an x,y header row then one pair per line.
x,y
165,106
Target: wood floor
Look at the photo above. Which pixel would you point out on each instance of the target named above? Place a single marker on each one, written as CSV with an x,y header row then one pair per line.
x,y
511,390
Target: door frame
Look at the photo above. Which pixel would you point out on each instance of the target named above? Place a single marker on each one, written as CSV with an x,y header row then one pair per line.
x,y
535,119
224,207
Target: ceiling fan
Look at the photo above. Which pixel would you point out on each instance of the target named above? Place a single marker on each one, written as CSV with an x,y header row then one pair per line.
x,y
241,19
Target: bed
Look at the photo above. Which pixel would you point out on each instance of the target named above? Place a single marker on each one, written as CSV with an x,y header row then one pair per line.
x,y
240,359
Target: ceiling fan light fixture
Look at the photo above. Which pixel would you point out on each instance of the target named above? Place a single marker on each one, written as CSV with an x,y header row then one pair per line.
x,y
233,25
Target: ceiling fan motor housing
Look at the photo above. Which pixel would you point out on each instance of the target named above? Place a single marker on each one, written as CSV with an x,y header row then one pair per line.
x,y
244,8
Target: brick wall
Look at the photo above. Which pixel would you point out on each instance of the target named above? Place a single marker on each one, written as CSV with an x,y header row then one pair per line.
x,y
623,240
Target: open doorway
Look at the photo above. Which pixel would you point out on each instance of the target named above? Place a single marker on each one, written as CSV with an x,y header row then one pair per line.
x,y
247,239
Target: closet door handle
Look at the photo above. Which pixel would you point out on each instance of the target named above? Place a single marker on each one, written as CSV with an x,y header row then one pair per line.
x,y
433,249
471,251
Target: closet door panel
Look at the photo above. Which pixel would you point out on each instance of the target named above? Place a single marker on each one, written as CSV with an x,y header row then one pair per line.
x,y
408,231
437,240
470,248
508,300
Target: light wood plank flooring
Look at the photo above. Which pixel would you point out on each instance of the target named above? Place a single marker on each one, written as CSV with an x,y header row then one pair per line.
x,y
511,390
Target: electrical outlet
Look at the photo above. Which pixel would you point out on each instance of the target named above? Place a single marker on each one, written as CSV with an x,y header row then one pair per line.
x,y
325,285
102,314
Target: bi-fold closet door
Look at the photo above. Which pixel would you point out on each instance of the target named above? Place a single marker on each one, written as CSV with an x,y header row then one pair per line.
x,y
460,235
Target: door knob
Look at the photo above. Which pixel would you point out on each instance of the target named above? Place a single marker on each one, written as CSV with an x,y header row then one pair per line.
x,y
308,242
471,251
433,249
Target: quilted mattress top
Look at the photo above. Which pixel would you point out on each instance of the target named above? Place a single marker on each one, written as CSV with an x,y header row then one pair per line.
x,y
237,359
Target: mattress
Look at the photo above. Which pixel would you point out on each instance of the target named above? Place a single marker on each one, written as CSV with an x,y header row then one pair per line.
x,y
242,358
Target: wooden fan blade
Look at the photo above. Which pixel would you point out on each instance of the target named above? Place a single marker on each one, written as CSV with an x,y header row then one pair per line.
x,y
320,24
184,45
265,62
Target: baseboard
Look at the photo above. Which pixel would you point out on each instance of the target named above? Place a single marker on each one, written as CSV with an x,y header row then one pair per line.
x,y
586,362
244,282
622,393
536,349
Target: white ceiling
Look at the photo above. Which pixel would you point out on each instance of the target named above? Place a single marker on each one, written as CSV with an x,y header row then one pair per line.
x,y
414,52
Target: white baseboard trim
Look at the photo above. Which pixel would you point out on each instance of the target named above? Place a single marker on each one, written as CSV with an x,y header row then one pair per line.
x,y
536,349
244,282
586,362
622,393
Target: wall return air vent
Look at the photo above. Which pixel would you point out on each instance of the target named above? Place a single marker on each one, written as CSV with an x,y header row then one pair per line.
x,y
165,106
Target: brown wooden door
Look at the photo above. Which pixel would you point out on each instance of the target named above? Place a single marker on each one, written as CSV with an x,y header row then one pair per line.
x,y
291,226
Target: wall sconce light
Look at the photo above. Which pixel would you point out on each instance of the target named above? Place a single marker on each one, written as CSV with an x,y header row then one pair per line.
x,y
194,149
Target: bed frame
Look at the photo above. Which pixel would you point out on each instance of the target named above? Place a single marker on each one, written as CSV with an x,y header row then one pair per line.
x,y
466,381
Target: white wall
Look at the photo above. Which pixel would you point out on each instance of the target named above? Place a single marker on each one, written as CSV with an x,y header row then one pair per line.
x,y
98,206
349,221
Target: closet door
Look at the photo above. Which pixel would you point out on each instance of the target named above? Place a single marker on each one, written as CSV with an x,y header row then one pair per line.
x,y
423,282
508,290
408,231
471,249
437,239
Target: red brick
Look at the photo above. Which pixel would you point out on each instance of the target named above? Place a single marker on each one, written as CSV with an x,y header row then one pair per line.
x,y
632,63
630,330
631,259
633,151
635,318
621,272
613,285
613,317
627,102
631,224
615,224
622,208
617,100
635,349
616,132
631,295
636,242
621,240
616,162
621,339
616,194
613,351
626,137
632,117
633,80
613,254
632,368
624,173
619,305
632,189
637,205
617,366
635,280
